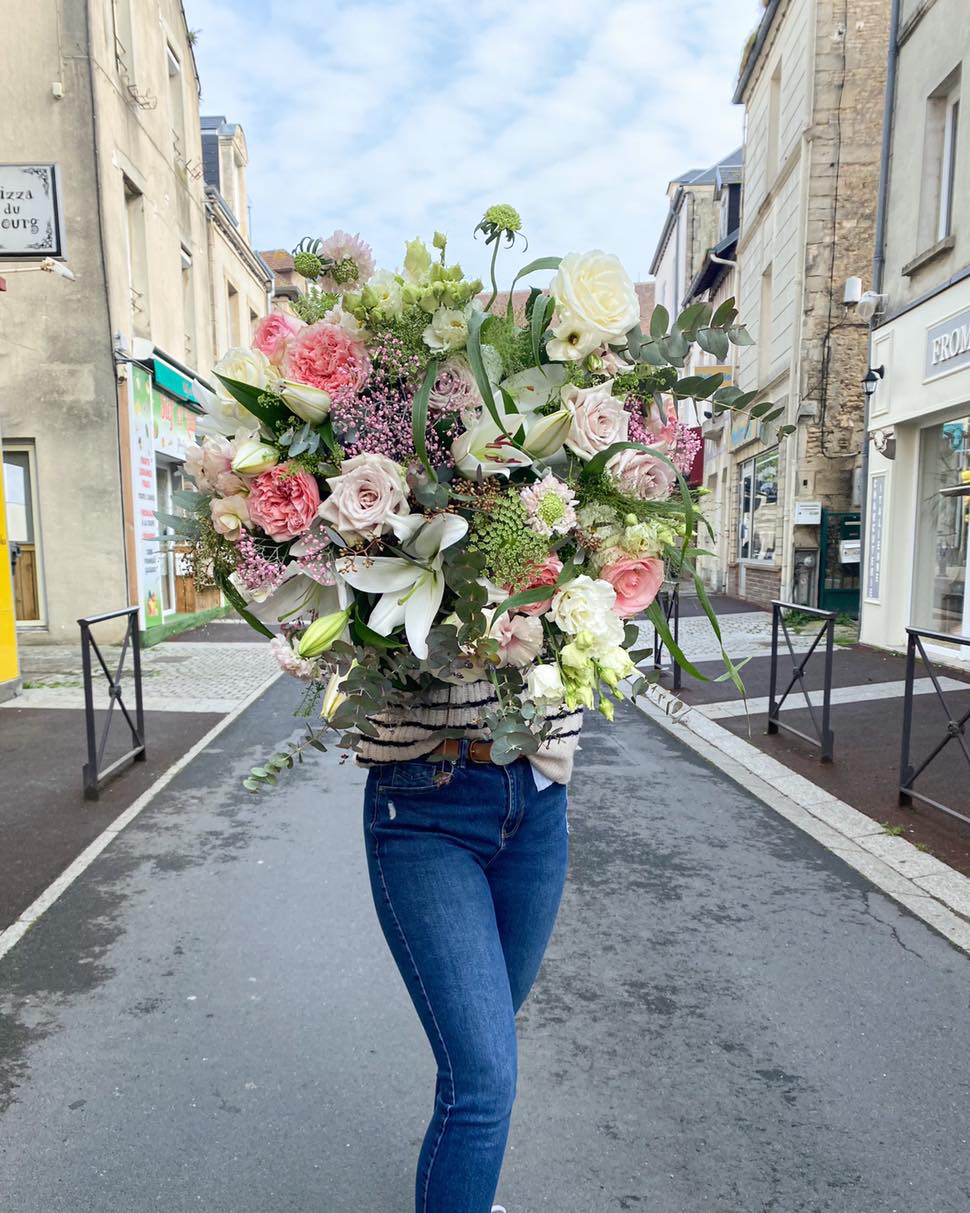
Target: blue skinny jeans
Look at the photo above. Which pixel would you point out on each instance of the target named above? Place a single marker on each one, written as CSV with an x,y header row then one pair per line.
x,y
467,863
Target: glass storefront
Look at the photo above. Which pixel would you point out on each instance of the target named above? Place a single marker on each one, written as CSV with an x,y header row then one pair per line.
x,y
940,600
758,514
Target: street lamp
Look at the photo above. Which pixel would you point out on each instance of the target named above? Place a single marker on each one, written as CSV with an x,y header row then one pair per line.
x,y
871,380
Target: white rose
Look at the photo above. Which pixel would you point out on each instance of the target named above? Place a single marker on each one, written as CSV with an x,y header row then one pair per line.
x,y
448,330
230,515
585,605
642,475
245,366
599,419
596,302
545,687
368,495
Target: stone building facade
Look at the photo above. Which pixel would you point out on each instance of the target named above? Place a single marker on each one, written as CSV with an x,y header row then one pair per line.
x,y
96,401
916,569
811,81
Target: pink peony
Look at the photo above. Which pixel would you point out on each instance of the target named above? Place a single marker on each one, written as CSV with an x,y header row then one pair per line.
x,y
273,334
637,583
547,574
328,357
283,502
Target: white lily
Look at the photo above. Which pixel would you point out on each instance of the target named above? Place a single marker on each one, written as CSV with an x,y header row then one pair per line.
x,y
531,389
487,448
411,588
299,595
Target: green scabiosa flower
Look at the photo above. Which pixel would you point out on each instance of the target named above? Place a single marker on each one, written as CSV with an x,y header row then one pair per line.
x,y
307,265
500,220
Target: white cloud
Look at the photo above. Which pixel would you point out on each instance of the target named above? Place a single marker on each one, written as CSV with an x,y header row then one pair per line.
x,y
394,119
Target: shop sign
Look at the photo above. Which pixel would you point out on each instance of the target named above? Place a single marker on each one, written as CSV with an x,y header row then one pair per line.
x,y
148,568
877,503
948,345
31,221
173,426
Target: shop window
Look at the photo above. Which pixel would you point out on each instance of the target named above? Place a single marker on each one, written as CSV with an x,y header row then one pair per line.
x,y
758,509
20,492
940,599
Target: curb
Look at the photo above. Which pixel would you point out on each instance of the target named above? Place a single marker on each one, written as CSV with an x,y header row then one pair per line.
x,y
926,886
22,924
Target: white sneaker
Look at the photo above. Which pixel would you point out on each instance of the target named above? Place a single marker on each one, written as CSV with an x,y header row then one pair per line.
x,y
498,1209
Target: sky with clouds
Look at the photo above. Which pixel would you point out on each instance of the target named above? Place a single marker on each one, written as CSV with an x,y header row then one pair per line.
x,y
396,117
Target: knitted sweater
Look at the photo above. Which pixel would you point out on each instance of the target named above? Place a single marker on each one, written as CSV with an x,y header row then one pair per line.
x,y
416,730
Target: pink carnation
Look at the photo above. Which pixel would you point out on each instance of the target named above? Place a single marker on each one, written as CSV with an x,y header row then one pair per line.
x,y
273,334
328,357
546,574
637,583
283,502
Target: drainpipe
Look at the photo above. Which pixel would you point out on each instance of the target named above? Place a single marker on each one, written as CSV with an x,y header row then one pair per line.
x,y
878,275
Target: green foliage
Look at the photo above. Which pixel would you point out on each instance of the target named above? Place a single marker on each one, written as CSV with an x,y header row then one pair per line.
x,y
315,304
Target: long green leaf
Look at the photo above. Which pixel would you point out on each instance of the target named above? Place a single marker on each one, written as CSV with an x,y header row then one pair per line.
x,y
540,263
541,314
249,397
656,617
239,606
419,416
474,351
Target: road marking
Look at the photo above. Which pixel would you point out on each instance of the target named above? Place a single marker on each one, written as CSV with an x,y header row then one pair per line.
x,y
19,927
796,700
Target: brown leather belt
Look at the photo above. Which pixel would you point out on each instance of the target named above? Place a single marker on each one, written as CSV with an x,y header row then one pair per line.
x,y
450,751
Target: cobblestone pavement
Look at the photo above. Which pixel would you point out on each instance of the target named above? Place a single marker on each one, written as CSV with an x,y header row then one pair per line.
x,y
177,676
745,634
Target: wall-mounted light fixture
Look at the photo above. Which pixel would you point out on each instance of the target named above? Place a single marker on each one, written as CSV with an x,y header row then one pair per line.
x,y
871,379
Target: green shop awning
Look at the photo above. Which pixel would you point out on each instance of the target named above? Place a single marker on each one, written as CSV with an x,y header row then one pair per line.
x,y
170,379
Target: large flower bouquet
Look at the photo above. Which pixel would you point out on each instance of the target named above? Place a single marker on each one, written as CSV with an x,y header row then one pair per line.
x,y
401,484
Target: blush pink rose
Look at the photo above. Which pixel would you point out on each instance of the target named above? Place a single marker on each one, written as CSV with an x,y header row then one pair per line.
x,y
546,575
328,357
283,502
642,475
273,334
637,583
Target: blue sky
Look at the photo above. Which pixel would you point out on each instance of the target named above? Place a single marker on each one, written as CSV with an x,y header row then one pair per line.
x,y
395,118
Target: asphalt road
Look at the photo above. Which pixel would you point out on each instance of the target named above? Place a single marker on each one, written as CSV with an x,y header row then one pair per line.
x,y
728,1018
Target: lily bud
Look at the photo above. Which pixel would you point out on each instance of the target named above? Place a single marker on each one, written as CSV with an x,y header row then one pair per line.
x,y
546,435
253,457
311,404
333,696
321,634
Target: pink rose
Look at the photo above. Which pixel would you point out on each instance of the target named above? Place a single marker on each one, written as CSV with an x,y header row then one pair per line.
x,y
283,502
328,357
637,583
273,334
599,419
366,497
642,475
210,465
547,574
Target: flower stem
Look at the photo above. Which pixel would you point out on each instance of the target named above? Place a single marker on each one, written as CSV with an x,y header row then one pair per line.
x,y
491,271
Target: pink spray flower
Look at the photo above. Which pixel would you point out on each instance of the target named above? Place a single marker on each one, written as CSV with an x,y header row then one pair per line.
x,y
283,502
326,356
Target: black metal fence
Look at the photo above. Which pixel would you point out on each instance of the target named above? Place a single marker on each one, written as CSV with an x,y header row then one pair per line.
x,y
94,773
955,728
670,605
822,735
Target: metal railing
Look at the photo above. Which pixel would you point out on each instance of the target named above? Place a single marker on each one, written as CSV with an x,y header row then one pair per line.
x,y
94,774
823,736
670,605
955,728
